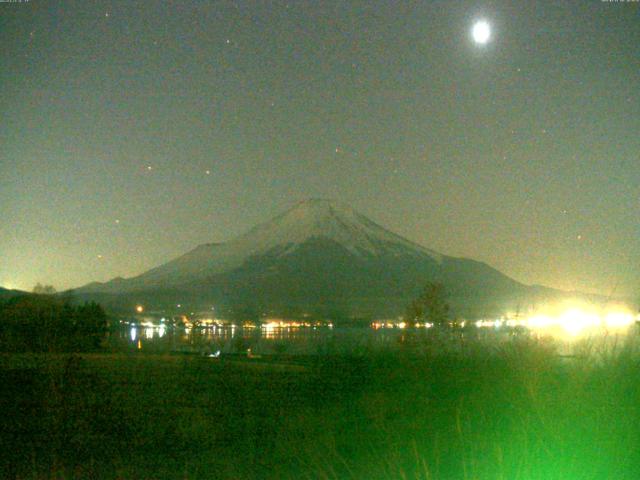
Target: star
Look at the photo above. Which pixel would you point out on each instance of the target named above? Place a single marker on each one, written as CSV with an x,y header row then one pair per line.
x,y
149,167
208,172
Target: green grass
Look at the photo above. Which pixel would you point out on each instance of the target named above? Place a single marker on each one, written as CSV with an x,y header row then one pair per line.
x,y
516,411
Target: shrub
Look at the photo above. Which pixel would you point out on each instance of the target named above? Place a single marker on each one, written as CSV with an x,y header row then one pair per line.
x,y
47,324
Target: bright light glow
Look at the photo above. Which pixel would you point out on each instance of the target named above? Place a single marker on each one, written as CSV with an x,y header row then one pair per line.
x,y
133,333
539,321
378,324
570,320
487,323
574,321
618,319
139,309
481,32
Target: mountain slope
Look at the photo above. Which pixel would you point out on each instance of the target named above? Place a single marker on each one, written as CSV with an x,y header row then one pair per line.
x,y
282,235
318,256
6,294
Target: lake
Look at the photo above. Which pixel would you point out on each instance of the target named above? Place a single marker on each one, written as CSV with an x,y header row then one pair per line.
x,y
323,340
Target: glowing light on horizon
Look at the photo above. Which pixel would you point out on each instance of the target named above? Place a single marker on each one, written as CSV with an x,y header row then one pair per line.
x,y
572,319
575,321
617,319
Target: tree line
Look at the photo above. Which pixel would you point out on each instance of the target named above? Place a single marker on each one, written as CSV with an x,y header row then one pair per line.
x,y
46,323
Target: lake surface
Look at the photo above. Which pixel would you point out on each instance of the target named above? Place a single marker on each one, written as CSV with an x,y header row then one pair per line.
x,y
324,340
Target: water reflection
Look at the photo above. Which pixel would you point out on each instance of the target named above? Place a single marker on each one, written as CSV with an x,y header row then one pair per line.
x,y
271,332
271,338
267,338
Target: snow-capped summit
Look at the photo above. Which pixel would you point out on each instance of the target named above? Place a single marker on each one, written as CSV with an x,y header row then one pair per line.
x,y
327,219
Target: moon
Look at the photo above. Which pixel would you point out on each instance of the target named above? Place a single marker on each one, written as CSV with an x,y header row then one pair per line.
x,y
481,32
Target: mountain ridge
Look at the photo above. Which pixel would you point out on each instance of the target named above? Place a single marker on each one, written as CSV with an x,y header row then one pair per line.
x,y
318,256
307,219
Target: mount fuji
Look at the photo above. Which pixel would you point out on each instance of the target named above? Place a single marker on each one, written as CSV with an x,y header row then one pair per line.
x,y
320,257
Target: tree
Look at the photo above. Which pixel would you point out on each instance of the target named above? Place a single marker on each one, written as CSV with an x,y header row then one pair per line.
x,y
36,323
90,325
44,289
430,306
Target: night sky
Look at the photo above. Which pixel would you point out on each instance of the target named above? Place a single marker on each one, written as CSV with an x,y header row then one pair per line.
x,y
133,131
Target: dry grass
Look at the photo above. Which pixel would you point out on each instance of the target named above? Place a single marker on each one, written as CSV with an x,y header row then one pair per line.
x,y
514,411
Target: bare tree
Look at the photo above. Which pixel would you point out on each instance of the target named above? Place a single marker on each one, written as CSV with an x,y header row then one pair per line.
x,y
44,289
430,306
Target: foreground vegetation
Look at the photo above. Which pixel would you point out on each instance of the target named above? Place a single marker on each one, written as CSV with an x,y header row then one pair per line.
x,y
517,411
44,323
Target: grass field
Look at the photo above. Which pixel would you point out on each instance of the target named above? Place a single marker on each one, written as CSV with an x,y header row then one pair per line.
x,y
516,411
